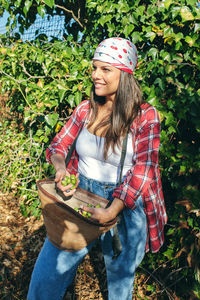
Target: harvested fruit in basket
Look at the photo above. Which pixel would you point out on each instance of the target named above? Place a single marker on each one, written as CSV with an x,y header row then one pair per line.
x,y
72,179
90,205
82,212
85,213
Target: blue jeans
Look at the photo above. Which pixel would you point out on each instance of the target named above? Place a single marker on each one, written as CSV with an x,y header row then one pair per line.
x,y
55,269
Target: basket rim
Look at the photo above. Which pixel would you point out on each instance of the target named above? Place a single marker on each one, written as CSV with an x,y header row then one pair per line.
x,y
68,208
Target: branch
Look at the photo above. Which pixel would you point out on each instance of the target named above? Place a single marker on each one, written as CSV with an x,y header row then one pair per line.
x,y
30,76
169,294
19,87
72,13
27,73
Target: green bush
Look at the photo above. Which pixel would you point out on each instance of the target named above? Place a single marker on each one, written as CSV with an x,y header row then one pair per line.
x,y
47,80
22,164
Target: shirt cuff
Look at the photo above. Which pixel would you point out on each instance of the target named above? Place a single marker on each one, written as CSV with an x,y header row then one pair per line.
x,y
51,151
129,202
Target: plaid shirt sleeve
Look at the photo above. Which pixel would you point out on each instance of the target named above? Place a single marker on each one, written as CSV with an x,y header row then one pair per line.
x,y
64,139
145,159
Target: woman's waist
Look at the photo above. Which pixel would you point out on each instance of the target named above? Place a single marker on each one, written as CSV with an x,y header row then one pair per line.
x,y
100,171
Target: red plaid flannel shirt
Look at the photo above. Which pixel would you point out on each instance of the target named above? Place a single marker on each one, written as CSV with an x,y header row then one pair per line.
x,y
143,179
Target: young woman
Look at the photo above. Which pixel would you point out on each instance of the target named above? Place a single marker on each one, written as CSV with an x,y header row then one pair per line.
x,y
115,109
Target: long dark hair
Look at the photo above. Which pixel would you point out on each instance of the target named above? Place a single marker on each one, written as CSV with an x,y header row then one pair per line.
x,y
126,108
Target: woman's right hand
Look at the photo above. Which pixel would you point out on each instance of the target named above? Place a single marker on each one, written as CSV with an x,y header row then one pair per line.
x,y
61,173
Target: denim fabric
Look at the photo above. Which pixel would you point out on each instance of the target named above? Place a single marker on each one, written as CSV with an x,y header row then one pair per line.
x,y
55,269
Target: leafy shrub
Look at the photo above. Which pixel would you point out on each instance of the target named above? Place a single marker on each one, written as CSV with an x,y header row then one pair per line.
x,y
22,164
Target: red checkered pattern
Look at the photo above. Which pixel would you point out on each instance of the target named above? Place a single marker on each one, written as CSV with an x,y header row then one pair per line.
x,y
143,179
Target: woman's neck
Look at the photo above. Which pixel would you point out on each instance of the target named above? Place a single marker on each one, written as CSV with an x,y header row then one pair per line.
x,y
103,113
106,107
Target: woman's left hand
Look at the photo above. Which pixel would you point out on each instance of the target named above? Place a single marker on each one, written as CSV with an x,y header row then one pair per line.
x,y
103,215
99,214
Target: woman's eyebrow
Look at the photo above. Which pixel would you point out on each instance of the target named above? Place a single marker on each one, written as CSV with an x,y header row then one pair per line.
x,y
102,66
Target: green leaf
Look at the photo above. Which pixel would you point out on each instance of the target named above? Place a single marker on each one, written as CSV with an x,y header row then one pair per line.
x,y
85,63
189,40
17,3
190,222
111,27
140,10
14,67
151,35
70,100
78,98
169,118
165,55
128,29
62,94
41,10
171,130
175,11
135,37
182,169
49,3
196,27
160,83
192,2
178,37
153,52
169,253
167,3
92,4
52,119
27,6
170,68
186,14
171,231
39,132
88,90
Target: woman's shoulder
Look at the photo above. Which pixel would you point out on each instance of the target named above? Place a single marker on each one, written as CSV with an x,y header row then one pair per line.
x,y
149,113
148,116
82,109
84,105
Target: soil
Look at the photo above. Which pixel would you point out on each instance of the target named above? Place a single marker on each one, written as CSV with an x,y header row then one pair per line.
x,y
20,242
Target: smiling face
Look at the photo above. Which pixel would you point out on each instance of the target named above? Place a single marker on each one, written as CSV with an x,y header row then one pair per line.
x,y
106,79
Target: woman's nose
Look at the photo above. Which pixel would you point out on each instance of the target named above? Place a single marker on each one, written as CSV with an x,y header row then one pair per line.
x,y
96,73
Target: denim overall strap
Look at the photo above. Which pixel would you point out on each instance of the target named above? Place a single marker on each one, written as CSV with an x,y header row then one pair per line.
x,y
69,154
116,243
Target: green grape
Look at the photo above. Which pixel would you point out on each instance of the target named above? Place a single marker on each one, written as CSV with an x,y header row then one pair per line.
x,y
66,181
70,180
72,176
63,182
84,214
72,187
73,179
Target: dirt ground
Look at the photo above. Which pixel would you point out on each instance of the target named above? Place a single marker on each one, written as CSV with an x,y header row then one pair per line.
x,y
20,242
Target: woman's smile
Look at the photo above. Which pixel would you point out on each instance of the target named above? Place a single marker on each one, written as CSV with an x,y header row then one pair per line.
x,y
99,85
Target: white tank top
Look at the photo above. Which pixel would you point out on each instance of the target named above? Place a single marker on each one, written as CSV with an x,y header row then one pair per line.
x,y
90,149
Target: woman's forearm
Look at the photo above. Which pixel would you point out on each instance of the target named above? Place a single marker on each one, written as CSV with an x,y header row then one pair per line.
x,y
58,161
115,208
